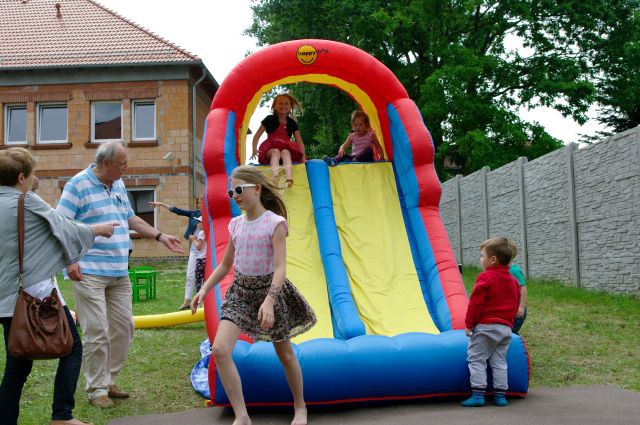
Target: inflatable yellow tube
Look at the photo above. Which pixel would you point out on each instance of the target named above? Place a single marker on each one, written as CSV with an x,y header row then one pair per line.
x,y
168,319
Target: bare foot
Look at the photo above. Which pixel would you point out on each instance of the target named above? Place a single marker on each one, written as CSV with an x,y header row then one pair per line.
x,y
300,416
244,420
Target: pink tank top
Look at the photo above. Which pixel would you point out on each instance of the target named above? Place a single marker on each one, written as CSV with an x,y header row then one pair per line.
x,y
253,242
360,143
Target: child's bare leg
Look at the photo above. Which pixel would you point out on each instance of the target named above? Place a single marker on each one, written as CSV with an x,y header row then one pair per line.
x,y
287,163
294,378
274,160
221,350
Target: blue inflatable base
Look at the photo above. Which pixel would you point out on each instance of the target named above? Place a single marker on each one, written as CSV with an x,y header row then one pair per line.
x,y
364,368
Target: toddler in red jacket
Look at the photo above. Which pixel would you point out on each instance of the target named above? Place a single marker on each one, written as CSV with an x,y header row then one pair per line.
x,y
492,308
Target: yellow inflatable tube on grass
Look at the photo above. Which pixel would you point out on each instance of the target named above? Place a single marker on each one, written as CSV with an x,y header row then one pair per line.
x,y
168,319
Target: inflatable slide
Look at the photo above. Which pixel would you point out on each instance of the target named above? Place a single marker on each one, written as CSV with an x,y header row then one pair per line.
x,y
366,245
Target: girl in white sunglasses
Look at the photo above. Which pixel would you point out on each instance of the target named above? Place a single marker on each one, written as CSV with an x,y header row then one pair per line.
x,y
261,302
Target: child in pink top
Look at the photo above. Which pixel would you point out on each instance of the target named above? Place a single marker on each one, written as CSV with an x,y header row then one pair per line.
x,y
362,141
261,302
280,127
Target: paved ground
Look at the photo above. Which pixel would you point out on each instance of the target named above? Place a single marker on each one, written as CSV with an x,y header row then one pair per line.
x,y
583,405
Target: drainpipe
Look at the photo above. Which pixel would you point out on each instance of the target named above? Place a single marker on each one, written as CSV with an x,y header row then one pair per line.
x,y
193,126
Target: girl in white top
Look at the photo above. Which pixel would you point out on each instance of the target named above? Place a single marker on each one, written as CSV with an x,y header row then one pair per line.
x,y
199,242
261,302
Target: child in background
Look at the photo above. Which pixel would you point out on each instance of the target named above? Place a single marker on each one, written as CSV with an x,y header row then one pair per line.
x,y
492,307
198,239
261,302
280,127
362,141
193,252
521,315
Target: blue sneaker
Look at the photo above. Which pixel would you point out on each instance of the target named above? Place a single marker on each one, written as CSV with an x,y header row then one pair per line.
x,y
331,162
500,400
476,400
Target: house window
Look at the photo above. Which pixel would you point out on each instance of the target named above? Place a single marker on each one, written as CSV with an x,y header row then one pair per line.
x,y
140,199
52,123
15,124
106,121
144,120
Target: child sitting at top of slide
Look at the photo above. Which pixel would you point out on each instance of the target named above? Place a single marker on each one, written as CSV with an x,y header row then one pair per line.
x,y
280,127
362,141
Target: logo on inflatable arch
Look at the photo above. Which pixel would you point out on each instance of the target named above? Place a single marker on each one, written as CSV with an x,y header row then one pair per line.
x,y
307,54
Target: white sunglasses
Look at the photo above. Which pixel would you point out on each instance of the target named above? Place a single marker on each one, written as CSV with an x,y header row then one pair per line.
x,y
238,190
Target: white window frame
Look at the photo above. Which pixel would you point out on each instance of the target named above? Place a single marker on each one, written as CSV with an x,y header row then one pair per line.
x,y
39,121
154,189
133,121
93,122
7,108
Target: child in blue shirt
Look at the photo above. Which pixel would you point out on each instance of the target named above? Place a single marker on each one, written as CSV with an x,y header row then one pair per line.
x,y
516,272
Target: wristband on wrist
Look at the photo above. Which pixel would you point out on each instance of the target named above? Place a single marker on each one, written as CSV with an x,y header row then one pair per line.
x,y
273,292
158,236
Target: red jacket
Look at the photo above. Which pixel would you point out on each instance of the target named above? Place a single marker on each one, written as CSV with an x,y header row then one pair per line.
x,y
495,298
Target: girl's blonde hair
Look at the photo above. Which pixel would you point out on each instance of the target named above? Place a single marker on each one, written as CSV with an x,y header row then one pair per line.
x,y
296,106
359,114
269,195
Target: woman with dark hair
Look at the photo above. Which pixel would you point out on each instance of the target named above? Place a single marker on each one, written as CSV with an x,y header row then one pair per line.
x,y
51,242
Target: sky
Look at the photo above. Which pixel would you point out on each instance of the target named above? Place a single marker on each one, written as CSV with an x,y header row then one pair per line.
x,y
212,30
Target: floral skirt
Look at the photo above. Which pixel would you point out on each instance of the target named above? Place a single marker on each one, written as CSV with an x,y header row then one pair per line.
x,y
292,314
296,153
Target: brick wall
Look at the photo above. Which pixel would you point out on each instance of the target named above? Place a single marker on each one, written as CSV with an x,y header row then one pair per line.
x,y
172,179
574,213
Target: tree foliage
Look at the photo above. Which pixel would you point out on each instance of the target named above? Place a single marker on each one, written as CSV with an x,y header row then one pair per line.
x,y
618,81
453,59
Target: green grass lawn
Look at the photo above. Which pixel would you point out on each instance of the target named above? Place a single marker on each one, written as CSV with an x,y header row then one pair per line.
x,y
574,337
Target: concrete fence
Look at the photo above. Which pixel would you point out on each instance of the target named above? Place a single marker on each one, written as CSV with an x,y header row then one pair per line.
x,y
574,213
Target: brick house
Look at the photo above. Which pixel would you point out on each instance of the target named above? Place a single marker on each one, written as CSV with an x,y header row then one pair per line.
x,y
74,74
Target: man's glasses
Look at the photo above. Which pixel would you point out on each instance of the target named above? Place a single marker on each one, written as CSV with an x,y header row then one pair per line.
x,y
239,189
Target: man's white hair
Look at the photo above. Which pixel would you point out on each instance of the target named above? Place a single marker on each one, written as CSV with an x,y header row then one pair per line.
x,y
107,151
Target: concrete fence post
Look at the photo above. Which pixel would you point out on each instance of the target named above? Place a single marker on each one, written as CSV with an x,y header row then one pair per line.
x,y
524,251
485,198
459,217
573,219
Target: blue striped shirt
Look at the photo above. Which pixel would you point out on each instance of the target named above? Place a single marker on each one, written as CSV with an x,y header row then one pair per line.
x,y
87,199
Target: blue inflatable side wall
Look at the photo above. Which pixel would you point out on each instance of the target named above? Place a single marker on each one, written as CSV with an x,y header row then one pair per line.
x,y
345,317
420,246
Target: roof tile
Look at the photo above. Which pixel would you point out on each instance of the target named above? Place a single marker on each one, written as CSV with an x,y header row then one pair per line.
x,y
86,33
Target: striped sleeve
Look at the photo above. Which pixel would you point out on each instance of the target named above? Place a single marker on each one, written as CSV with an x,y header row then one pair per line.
x,y
69,201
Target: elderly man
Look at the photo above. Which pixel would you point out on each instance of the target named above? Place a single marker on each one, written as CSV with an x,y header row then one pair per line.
x,y
101,283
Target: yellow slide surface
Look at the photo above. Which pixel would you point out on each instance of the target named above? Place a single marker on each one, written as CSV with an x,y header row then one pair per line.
x,y
304,265
376,251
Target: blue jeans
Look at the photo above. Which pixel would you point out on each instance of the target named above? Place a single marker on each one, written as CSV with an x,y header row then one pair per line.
x,y
17,370
517,322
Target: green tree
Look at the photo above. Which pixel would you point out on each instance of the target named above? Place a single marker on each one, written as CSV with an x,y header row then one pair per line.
x,y
618,82
451,57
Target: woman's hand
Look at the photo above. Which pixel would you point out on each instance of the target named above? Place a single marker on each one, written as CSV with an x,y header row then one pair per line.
x,y
106,230
254,155
520,312
265,313
155,204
